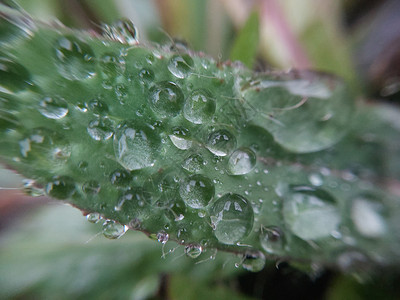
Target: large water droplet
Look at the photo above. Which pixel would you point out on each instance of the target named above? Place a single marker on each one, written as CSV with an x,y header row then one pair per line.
x,y
310,213
113,230
367,217
53,107
242,161
197,191
193,251
135,146
199,107
60,187
166,98
232,218
74,58
13,76
180,137
253,262
221,142
193,163
272,240
180,65
100,129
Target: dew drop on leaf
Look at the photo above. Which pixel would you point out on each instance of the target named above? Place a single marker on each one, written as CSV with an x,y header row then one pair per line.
x,y
113,230
221,142
232,218
242,161
197,191
53,107
74,58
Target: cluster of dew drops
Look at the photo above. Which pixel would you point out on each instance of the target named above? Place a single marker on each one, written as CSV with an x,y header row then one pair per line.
x,y
231,214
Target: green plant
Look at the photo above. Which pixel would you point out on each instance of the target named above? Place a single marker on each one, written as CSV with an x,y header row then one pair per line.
x,y
208,154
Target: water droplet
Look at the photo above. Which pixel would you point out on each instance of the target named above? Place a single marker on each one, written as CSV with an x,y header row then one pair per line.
x,y
146,75
100,129
98,107
162,237
232,218
93,217
120,177
74,58
113,230
43,143
111,66
221,142
197,191
60,187
272,240
53,107
166,98
310,213
242,161
315,179
135,224
180,138
193,163
180,65
193,251
121,91
163,184
133,199
199,107
123,31
31,189
13,76
367,217
91,187
135,146
253,262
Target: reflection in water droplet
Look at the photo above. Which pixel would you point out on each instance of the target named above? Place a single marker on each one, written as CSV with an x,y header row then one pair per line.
x,y
242,161
180,137
122,31
232,218
13,76
310,213
367,218
93,217
91,187
135,146
221,142
199,107
111,66
166,99
60,187
113,230
253,262
53,107
162,237
193,251
180,65
30,189
193,163
271,239
100,129
97,106
74,59
146,76
197,191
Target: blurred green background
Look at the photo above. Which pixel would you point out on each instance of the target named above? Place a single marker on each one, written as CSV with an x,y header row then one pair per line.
x,y
49,251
